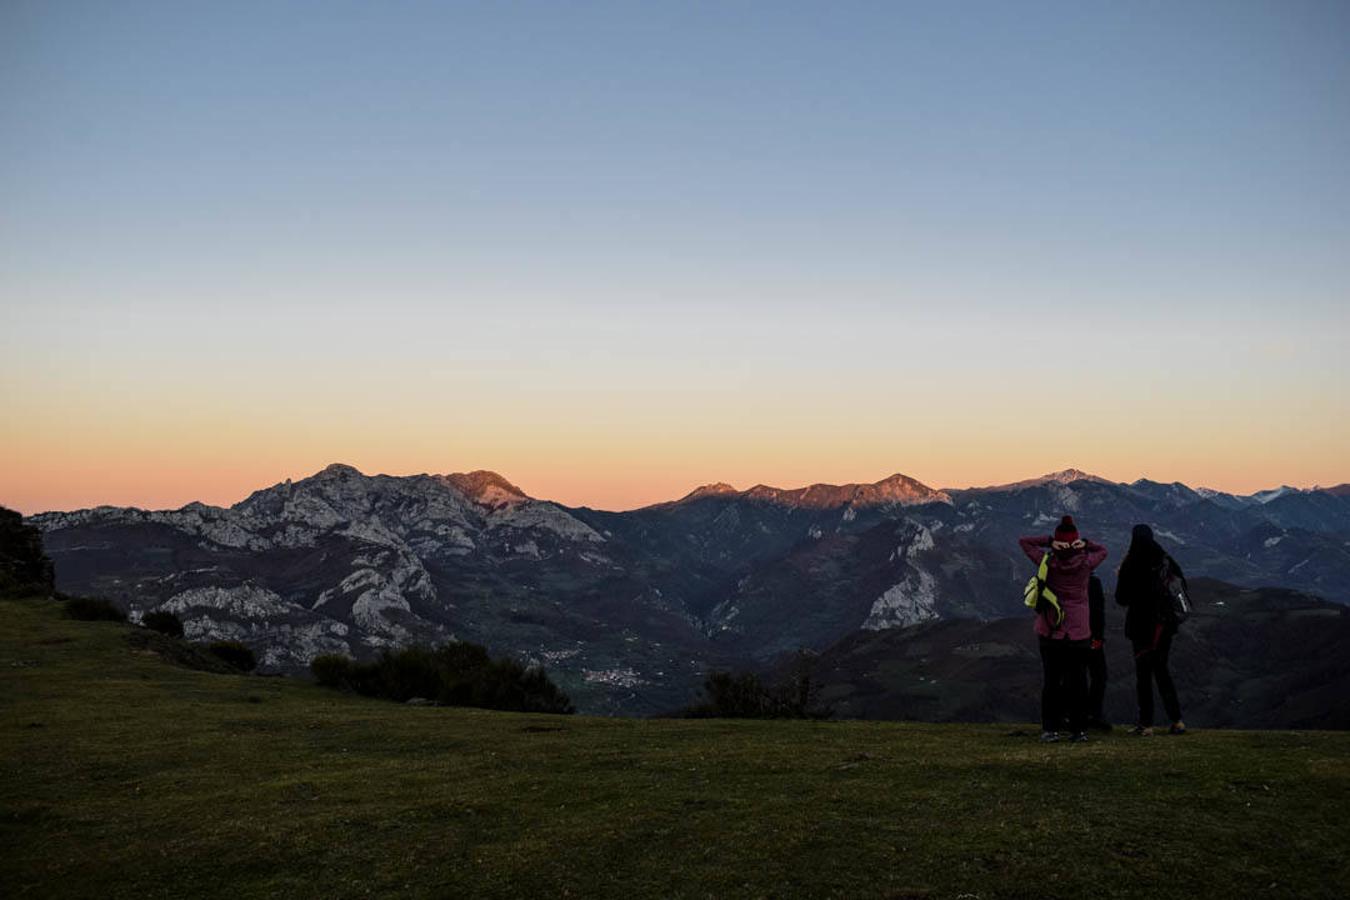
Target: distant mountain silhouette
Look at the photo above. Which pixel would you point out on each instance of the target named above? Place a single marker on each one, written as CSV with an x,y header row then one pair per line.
x,y
897,489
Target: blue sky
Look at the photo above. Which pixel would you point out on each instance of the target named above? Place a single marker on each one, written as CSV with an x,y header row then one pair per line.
x,y
482,221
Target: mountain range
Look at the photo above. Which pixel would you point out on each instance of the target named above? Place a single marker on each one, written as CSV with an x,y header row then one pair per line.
x,y
629,610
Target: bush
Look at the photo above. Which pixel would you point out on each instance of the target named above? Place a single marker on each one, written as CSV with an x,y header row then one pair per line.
x,y
454,674
333,670
235,654
24,568
91,609
177,651
462,657
411,672
743,695
506,684
164,622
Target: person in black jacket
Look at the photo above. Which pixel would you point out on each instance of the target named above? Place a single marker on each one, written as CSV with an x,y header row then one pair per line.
x,y
1097,655
1149,625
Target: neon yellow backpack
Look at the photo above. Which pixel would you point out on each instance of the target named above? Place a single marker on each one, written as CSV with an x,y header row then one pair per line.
x,y
1039,597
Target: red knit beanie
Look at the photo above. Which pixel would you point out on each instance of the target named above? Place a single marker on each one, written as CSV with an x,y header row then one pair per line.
x,y
1066,531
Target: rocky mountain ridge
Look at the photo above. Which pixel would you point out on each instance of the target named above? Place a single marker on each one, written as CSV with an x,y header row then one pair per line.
x,y
629,609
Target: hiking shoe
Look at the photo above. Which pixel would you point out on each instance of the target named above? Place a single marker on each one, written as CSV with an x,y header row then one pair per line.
x,y
1142,731
1177,728
1079,737
1049,737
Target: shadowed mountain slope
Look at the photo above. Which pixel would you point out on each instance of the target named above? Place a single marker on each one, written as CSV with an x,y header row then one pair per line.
x,y
630,609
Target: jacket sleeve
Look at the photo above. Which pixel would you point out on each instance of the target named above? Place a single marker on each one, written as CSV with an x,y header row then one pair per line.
x,y
1034,547
1096,553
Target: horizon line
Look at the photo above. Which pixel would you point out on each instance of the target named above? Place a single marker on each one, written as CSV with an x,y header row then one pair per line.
x,y
1081,475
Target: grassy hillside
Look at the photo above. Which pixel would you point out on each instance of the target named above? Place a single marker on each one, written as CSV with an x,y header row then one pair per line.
x,y
123,776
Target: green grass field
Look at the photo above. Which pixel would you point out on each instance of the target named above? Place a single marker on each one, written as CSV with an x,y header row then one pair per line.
x,y
126,777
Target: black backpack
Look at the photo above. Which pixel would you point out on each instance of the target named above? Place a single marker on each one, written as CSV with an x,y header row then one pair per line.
x,y
1175,602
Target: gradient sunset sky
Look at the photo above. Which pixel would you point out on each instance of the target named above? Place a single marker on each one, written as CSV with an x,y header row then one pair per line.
x,y
617,250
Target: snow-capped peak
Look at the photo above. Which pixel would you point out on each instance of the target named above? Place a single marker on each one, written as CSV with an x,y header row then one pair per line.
x,y
1068,476
1065,476
1272,494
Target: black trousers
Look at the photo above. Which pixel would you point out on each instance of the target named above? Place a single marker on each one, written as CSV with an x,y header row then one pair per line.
x,y
1064,691
1096,684
1150,665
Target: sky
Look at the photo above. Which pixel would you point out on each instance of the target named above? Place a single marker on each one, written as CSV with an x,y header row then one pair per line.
x,y
616,250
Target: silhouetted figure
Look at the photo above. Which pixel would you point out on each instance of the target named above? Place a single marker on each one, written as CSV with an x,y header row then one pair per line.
x,y
1064,644
1141,589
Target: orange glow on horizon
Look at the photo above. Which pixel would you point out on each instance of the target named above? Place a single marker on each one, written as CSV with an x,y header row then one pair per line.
x,y
180,422
56,483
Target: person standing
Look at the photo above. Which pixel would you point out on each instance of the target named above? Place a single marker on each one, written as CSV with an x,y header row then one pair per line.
x,y
1149,625
1064,640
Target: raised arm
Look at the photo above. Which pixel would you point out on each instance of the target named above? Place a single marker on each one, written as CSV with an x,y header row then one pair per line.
x,y
1035,547
1096,553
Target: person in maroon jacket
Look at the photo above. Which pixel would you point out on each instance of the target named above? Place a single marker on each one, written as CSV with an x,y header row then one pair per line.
x,y
1065,645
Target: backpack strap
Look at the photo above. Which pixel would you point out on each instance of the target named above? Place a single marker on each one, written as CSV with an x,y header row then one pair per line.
x,y
1055,614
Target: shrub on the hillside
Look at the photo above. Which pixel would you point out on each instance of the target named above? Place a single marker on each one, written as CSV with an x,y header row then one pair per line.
x,y
235,654
744,695
735,695
455,674
407,673
462,658
92,609
164,622
332,670
177,651
508,684
24,568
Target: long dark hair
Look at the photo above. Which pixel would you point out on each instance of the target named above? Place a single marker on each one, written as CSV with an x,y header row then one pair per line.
x,y
1144,554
